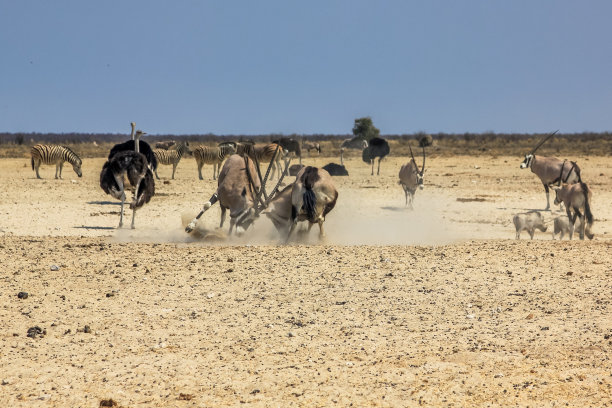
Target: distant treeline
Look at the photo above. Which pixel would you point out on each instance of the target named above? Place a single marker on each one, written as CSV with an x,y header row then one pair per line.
x,y
75,138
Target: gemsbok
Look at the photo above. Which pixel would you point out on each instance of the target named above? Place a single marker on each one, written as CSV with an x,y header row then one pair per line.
x,y
411,178
310,198
241,190
551,170
577,198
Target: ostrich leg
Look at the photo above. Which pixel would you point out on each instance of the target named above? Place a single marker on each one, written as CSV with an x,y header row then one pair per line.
x,y
119,181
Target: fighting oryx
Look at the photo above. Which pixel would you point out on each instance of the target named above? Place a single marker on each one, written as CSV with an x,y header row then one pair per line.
x,y
410,177
242,190
310,198
551,170
576,197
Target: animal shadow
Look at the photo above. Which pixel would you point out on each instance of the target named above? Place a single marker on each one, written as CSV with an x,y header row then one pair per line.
x,y
103,203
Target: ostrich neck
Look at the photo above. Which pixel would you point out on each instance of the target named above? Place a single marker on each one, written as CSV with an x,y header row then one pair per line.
x,y
137,144
133,129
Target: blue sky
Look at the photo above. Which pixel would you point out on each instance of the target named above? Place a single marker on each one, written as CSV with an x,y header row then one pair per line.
x,y
251,67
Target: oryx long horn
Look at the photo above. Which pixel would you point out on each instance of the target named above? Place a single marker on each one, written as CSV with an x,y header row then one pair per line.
x,y
411,154
423,166
542,141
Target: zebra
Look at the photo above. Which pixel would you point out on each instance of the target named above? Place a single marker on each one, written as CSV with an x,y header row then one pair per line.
x,y
54,154
213,155
171,157
270,153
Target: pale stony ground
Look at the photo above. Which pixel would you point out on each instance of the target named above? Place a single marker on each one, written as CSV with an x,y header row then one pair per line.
x,y
436,307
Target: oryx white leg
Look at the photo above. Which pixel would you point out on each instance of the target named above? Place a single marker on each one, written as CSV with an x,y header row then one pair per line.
x,y
582,226
531,232
321,230
547,197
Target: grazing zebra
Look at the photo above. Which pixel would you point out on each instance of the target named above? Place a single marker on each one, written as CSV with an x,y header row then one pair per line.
x,y
171,157
213,155
54,154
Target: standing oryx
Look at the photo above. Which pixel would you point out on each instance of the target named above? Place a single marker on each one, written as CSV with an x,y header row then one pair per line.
x,y
551,170
308,146
310,198
576,197
213,155
242,190
410,177
171,156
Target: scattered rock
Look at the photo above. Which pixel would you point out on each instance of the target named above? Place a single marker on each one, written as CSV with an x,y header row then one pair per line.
x,y
54,268
22,295
36,331
185,397
108,403
529,316
86,329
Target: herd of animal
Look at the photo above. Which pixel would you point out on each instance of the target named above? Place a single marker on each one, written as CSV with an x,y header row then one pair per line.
x,y
243,190
564,178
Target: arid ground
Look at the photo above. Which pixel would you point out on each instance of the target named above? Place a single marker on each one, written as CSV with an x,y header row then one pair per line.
x,y
439,306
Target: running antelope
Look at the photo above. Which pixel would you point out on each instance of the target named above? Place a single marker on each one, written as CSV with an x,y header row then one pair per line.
x,y
577,198
54,154
213,155
171,156
410,177
551,170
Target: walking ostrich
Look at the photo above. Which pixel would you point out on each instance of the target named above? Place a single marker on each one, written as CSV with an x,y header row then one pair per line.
x,y
133,165
143,147
377,147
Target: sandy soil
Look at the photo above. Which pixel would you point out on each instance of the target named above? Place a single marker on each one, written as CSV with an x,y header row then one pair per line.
x,y
439,306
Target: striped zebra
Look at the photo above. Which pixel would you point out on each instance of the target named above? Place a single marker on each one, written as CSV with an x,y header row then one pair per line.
x,y
270,153
263,153
171,156
54,154
213,155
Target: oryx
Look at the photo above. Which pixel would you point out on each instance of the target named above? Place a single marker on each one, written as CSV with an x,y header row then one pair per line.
x,y
551,170
310,198
410,177
576,197
242,190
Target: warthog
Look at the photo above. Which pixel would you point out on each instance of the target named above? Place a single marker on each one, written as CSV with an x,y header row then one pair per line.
x,y
529,222
562,226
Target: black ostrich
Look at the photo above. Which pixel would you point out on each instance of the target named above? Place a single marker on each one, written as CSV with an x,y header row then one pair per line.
x,y
335,169
143,147
377,147
291,145
133,165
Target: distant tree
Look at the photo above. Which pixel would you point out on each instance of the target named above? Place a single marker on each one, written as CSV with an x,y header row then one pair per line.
x,y
365,129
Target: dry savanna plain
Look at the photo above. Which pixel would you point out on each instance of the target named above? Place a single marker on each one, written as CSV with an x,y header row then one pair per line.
x,y
439,306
